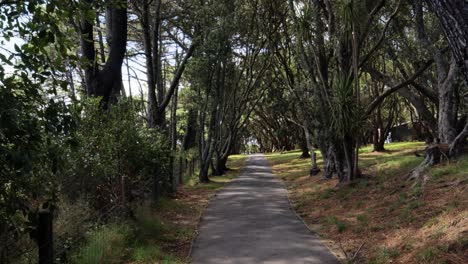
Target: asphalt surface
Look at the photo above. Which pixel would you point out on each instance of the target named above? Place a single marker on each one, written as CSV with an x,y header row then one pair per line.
x,y
250,221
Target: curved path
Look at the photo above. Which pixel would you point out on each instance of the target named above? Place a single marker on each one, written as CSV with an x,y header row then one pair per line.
x,y
250,221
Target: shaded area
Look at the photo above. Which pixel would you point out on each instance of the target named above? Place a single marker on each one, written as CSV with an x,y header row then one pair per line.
x,y
250,221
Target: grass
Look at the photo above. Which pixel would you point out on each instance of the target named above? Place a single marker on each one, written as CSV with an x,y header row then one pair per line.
x,y
104,245
159,234
397,220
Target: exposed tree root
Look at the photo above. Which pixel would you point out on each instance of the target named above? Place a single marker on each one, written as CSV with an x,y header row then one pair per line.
x,y
433,156
350,256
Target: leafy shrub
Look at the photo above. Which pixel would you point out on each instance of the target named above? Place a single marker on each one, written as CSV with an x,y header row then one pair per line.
x,y
116,157
33,133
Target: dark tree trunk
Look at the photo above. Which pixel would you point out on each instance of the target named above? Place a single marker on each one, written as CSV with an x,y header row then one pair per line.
x,y
203,176
190,136
304,149
379,131
378,141
108,81
220,166
150,80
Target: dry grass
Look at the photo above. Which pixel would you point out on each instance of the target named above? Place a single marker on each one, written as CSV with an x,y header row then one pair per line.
x,y
396,220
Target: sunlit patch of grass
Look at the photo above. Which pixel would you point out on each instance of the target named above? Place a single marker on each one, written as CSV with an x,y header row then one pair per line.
x,y
235,164
277,157
399,156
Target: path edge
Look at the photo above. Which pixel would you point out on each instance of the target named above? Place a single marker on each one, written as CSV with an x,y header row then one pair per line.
x,y
341,259
200,218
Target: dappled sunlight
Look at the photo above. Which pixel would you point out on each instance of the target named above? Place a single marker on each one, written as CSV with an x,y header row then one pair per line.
x,y
395,219
252,215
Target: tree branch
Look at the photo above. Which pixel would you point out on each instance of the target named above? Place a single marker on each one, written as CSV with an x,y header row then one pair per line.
x,y
377,101
176,79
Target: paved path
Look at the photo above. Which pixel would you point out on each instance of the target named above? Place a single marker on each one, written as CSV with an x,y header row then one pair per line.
x,y
250,222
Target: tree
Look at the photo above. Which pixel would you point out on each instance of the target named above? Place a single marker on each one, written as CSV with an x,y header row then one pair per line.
x,y
332,64
105,82
454,21
153,15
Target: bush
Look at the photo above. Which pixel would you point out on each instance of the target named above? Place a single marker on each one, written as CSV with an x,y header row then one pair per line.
x,y
116,158
33,133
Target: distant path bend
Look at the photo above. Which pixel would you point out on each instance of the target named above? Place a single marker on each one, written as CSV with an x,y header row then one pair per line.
x,y
250,221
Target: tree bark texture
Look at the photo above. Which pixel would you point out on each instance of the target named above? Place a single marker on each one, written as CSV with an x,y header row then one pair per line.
x,y
106,82
453,17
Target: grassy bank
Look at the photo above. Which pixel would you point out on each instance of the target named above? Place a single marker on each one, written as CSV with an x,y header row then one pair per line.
x,y
383,217
159,234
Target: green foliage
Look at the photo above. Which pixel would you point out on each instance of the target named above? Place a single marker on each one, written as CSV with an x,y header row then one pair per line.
x,y
346,115
33,132
35,122
113,146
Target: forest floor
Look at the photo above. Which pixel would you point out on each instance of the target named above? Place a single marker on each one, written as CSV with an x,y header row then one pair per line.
x,y
383,217
161,233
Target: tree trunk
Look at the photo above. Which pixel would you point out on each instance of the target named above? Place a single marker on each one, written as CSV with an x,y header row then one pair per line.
x,y
190,136
305,150
220,166
379,131
203,176
378,141
447,122
328,156
314,170
108,81
453,17
150,81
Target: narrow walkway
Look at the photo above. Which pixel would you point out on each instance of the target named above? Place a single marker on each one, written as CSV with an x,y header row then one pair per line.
x,y
250,222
